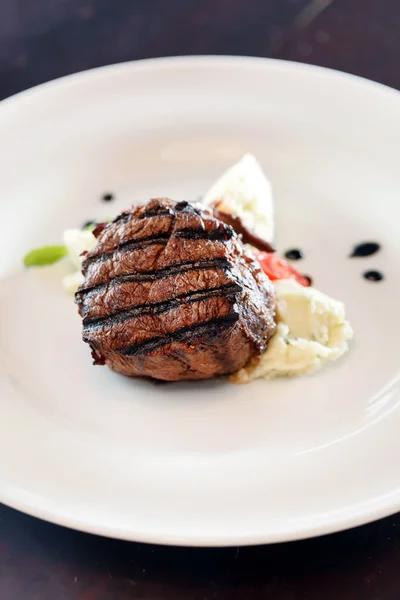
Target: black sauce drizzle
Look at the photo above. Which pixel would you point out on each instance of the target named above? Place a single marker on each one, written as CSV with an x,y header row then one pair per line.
x,y
365,249
294,254
368,249
107,197
373,276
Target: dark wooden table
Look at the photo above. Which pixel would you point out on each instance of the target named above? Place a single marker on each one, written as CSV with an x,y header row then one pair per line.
x,y
44,39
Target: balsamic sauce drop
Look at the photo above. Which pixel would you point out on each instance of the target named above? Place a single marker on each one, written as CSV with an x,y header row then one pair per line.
x,y
365,249
107,197
373,276
294,254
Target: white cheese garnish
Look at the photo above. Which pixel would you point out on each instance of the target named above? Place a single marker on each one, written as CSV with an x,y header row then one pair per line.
x,y
244,190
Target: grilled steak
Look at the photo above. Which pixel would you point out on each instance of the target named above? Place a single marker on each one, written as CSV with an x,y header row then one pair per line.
x,y
171,293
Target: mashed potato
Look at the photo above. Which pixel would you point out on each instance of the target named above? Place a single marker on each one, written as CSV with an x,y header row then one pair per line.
x,y
311,330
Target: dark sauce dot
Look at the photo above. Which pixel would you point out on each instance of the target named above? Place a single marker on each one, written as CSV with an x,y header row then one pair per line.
x,y
365,249
87,224
373,276
108,197
294,254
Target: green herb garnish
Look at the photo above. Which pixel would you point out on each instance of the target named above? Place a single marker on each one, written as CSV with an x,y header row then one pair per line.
x,y
47,255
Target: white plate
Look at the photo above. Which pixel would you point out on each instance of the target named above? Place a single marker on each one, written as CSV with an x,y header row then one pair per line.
x,y
207,463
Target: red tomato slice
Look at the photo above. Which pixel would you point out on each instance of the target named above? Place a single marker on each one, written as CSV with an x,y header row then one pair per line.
x,y
278,268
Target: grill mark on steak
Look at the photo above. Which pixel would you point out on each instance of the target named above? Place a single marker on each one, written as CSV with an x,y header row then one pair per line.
x,y
131,227
153,257
133,244
128,294
112,337
156,211
155,308
217,263
221,234
159,212
209,328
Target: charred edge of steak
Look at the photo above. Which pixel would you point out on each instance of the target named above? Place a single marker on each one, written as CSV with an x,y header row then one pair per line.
x,y
210,329
128,245
226,290
200,265
98,358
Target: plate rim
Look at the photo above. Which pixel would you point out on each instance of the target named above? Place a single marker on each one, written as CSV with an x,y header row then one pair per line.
x,y
168,62
355,515
131,535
